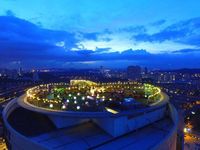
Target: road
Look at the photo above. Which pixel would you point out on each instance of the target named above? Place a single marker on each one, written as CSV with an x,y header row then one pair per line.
x,y
191,141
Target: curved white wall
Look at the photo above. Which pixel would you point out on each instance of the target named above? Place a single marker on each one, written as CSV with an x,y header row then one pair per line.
x,y
16,141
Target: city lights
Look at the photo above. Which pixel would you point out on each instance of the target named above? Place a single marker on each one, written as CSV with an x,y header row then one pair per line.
x,y
96,94
51,105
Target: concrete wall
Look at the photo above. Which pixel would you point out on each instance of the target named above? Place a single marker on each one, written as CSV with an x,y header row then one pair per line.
x,y
121,125
116,126
170,141
145,119
113,126
16,141
61,121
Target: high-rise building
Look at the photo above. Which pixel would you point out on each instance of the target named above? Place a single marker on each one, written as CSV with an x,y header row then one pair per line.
x,y
82,122
20,71
35,76
134,72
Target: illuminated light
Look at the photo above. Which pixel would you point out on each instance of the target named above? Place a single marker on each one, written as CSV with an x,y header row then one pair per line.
x,y
78,107
70,95
63,107
186,130
51,105
193,112
74,97
86,103
67,101
111,110
110,99
78,94
83,98
75,102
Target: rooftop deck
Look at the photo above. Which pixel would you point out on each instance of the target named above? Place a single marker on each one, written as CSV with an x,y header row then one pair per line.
x,y
90,136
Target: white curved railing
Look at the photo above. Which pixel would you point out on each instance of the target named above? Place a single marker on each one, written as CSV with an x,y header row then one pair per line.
x,y
16,140
171,137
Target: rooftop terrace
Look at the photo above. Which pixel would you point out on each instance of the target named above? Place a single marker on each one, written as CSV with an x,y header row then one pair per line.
x,y
87,96
90,136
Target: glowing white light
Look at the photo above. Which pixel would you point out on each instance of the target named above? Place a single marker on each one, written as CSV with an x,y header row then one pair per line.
x,y
78,94
193,112
67,101
78,107
63,107
51,105
70,95
75,102
74,97
83,98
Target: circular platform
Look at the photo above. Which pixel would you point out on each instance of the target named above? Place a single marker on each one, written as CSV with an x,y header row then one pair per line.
x,y
84,98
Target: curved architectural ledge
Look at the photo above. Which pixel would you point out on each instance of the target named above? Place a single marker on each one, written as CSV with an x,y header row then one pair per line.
x,y
25,104
61,130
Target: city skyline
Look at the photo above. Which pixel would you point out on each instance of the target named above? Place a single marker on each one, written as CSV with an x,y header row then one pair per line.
x,y
99,74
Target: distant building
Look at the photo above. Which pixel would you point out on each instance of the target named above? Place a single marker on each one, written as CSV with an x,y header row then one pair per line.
x,y
134,72
20,71
35,76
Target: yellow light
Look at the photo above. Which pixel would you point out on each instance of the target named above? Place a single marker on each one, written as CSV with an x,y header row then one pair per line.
x,y
111,110
185,130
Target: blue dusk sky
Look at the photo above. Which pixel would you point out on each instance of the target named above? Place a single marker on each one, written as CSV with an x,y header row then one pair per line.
x,y
161,34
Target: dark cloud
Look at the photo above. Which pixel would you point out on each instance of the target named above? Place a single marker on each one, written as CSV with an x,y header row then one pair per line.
x,y
33,46
134,29
94,36
102,50
15,29
158,23
187,51
90,36
187,32
10,13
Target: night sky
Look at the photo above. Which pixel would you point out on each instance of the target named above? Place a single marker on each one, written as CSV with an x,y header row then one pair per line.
x,y
90,33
